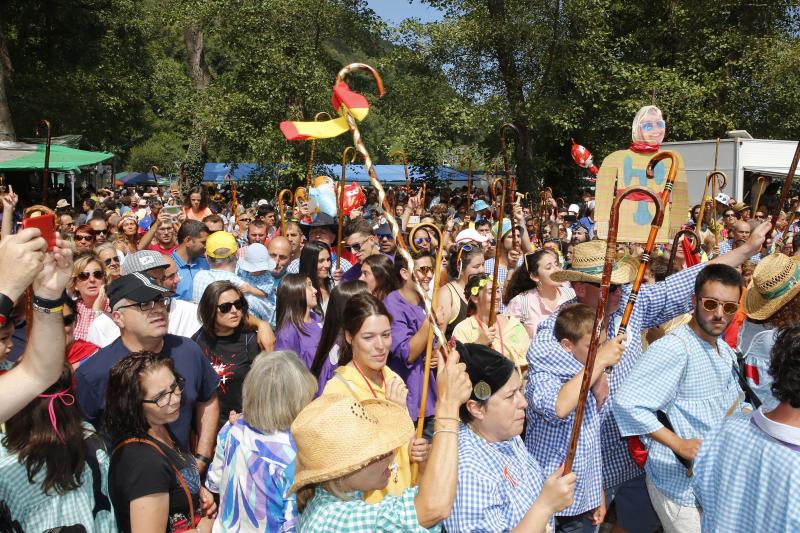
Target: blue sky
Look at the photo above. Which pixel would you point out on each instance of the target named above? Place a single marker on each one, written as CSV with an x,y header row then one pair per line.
x,y
395,11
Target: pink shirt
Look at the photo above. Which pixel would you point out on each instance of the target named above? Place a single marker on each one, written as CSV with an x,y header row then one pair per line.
x,y
529,308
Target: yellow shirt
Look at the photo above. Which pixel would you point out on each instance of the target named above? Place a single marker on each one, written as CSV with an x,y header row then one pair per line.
x,y
348,380
512,338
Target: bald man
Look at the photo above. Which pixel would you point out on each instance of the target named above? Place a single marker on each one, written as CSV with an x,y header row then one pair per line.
x,y
280,250
739,235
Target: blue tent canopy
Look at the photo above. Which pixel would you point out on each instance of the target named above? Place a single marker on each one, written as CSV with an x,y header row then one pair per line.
x,y
394,174
216,172
136,178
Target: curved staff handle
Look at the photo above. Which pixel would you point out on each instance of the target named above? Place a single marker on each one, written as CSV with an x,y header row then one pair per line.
x,y
691,235
402,155
716,180
310,172
341,203
46,172
510,182
545,195
785,190
154,170
468,160
655,225
599,317
762,183
282,207
437,274
300,195
498,245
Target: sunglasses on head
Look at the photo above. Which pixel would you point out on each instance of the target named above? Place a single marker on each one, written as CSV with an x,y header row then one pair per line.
x,y
83,237
227,306
96,274
711,305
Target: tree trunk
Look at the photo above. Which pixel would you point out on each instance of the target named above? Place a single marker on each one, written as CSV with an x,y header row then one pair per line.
x,y
515,95
200,74
6,124
198,68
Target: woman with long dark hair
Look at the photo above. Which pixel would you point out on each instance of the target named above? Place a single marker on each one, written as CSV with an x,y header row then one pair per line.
x,y
377,271
531,295
226,341
154,483
315,262
330,343
299,327
195,205
363,374
53,467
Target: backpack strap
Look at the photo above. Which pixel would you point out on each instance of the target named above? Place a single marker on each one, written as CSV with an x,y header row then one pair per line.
x,y
177,472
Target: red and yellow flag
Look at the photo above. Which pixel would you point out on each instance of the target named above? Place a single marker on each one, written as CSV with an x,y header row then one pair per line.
x,y
355,103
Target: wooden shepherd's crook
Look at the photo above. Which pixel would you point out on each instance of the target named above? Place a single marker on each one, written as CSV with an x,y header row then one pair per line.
x,y
341,203
402,155
762,183
437,273
689,234
717,181
497,246
468,160
46,170
509,185
282,208
599,317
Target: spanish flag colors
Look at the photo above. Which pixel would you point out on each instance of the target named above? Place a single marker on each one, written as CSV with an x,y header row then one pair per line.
x,y
355,103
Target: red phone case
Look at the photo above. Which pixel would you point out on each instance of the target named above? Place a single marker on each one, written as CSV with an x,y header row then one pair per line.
x,y
47,225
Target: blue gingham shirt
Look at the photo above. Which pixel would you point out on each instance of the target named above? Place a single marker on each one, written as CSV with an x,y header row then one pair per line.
x,y
267,283
657,303
502,276
547,435
497,484
727,245
746,480
258,306
690,381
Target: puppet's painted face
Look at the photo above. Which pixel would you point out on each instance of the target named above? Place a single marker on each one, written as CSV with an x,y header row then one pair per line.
x,y
651,128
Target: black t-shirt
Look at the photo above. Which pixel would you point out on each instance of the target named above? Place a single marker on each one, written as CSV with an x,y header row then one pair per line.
x,y
137,470
231,357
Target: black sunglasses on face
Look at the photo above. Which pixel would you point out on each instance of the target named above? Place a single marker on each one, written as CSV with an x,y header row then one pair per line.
x,y
385,236
110,260
227,306
80,237
96,274
147,306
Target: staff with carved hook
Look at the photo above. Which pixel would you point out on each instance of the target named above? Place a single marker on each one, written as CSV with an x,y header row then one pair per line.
x,y
402,155
46,171
468,160
437,274
282,207
717,180
511,183
599,317
762,183
341,203
692,236
358,141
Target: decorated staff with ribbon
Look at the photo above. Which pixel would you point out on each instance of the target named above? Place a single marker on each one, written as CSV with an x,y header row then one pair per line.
x,y
402,155
46,171
282,206
340,214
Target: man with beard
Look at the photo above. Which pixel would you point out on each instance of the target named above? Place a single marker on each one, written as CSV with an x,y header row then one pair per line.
x,y
691,377
386,239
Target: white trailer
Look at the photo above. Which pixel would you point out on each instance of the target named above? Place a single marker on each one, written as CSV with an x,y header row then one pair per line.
x,y
742,160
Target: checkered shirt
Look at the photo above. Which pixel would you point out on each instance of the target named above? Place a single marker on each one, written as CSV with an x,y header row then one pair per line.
x,y
656,303
502,275
746,480
258,306
294,266
547,435
497,484
267,283
84,320
727,245
326,513
694,384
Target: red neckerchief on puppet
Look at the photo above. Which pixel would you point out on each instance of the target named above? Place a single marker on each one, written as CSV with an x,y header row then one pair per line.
x,y
645,148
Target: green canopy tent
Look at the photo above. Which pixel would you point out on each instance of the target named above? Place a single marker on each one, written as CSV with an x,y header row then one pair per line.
x,y
17,156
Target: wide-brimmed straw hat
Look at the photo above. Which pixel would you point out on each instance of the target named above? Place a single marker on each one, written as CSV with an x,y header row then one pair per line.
x,y
337,435
587,265
776,280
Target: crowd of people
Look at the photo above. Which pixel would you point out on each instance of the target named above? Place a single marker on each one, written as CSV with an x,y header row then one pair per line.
x,y
190,364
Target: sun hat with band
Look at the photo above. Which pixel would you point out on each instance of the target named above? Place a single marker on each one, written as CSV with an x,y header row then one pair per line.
x,y
776,280
337,435
506,227
587,265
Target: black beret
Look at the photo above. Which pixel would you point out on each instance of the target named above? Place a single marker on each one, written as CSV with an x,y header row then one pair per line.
x,y
488,370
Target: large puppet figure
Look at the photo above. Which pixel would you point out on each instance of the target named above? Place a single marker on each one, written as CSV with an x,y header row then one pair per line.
x,y
626,168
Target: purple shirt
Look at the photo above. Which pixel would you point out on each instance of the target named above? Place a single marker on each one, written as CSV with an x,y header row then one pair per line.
x,y
305,346
407,319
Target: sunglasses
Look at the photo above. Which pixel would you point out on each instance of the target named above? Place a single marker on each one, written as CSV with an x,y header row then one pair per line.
x,y
356,247
730,214
88,238
227,306
385,236
650,126
96,274
424,270
110,260
147,306
711,305
420,240
101,232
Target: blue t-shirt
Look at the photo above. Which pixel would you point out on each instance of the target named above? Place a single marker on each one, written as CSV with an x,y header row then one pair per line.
x,y
187,272
201,381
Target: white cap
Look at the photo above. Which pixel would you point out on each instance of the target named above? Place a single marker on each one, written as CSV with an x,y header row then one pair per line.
x,y
722,198
573,208
470,234
262,202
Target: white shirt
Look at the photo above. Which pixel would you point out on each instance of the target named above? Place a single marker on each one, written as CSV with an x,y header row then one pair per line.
x,y
182,321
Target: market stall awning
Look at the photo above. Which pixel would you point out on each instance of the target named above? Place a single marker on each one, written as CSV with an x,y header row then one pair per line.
x,y
216,172
24,156
395,174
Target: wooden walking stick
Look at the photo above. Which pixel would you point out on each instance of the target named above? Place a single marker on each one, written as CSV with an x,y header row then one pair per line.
x,y
510,184
468,160
692,236
402,155
716,180
437,273
785,190
762,183
282,207
341,203
154,170
501,184
46,170
599,317
235,201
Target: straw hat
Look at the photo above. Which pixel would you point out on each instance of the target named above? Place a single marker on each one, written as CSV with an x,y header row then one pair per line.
x,y
337,435
776,280
587,265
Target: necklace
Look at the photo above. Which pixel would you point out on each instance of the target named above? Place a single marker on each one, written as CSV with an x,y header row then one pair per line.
x,y
372,390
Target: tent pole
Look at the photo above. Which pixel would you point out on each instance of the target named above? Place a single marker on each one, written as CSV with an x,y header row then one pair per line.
x,y
72,186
